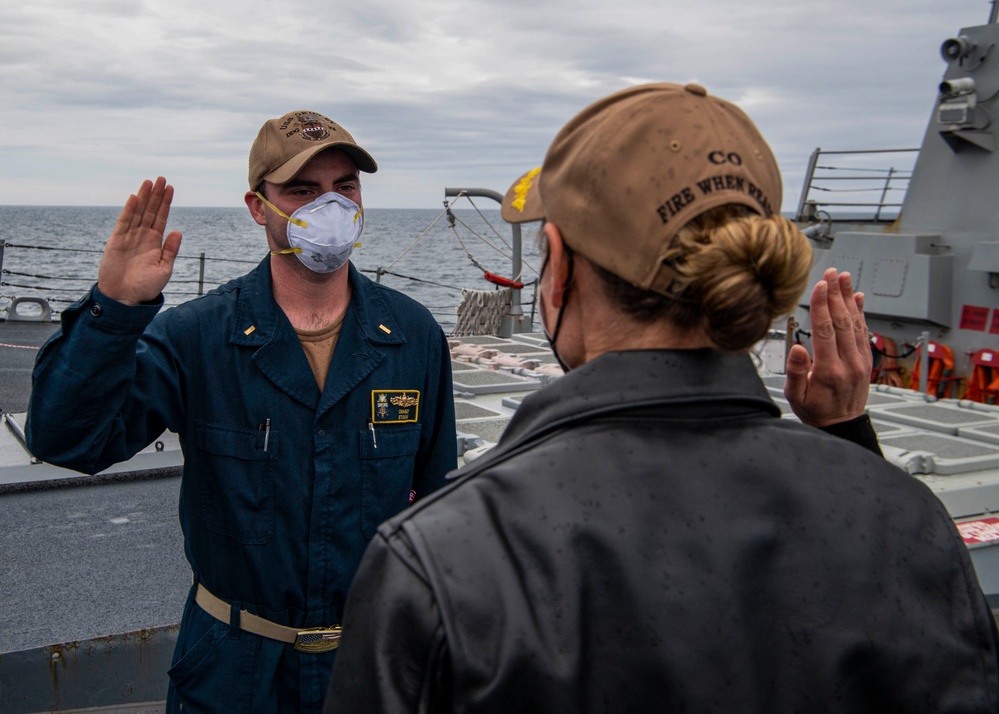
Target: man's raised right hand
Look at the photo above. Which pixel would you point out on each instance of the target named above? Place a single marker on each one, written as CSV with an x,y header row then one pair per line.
x,y
138,262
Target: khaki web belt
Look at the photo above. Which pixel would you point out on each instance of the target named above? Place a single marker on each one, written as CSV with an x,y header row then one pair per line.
x,y
313,640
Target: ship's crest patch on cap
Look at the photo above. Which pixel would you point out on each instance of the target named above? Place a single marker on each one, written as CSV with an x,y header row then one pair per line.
x,y
312,127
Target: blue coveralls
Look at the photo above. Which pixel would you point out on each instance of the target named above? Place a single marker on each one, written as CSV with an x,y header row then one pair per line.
x,y
278,531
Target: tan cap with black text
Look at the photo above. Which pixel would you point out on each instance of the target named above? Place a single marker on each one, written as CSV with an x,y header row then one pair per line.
x,y
626,173
286,144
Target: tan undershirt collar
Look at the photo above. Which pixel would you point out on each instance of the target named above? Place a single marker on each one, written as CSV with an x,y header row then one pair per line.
x,y
319,346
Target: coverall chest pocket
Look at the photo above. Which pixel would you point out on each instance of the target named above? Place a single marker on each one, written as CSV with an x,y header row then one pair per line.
x,y
387,463
235,480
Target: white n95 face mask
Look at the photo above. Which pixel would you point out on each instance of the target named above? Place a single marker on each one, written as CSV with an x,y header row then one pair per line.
x,y
323,233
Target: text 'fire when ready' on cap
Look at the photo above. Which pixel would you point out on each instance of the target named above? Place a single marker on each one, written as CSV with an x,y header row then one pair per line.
x,y
286,144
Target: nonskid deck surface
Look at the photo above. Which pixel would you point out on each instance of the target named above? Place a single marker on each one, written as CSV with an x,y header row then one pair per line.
x,y
87,561
93,584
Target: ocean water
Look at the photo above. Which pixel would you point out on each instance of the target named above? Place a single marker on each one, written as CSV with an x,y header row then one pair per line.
x,y
53,252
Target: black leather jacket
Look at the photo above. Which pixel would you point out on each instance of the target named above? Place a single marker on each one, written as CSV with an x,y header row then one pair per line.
x,y
649,537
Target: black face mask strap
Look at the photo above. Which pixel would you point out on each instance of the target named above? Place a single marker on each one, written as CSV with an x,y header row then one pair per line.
x,y
565,298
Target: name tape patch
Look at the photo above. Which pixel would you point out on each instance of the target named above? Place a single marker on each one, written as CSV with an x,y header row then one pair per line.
x,y
395,406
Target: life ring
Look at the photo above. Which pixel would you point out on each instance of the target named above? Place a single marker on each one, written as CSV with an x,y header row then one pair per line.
x,y
501,281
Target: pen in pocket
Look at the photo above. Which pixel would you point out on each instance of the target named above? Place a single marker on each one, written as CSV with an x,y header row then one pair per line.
x,y
266,428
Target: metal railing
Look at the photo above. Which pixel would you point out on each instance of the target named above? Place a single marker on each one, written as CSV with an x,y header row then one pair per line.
x,y
29,272
875,193
33,275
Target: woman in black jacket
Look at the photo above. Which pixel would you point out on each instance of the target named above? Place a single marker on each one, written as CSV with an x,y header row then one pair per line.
x,y
649,535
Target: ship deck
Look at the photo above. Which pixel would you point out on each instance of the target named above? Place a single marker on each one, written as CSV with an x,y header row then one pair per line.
x,y
94,565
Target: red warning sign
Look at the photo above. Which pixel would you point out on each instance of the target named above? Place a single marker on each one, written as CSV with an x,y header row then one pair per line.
x,y
980,530
974,318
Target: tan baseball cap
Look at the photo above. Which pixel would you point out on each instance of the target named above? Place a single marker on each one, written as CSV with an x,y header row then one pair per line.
x,y
626,173
522,202
286,144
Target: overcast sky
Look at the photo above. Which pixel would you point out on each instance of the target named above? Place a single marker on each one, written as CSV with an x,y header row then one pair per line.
x,y
97,95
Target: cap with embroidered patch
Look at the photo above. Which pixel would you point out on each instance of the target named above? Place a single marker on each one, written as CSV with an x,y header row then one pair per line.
x,y
627,172
522,202
286,144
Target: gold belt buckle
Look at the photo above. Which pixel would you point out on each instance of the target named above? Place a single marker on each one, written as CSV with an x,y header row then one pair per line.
x,y
318,639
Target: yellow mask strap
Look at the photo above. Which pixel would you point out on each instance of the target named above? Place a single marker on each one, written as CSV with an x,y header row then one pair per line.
x,y
360,212
284,215
296,221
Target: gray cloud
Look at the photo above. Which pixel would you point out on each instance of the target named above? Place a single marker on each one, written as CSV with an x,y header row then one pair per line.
x,y
97,96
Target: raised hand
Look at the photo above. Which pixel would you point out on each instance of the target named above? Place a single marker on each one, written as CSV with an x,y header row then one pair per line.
x,y
833,388
137,261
